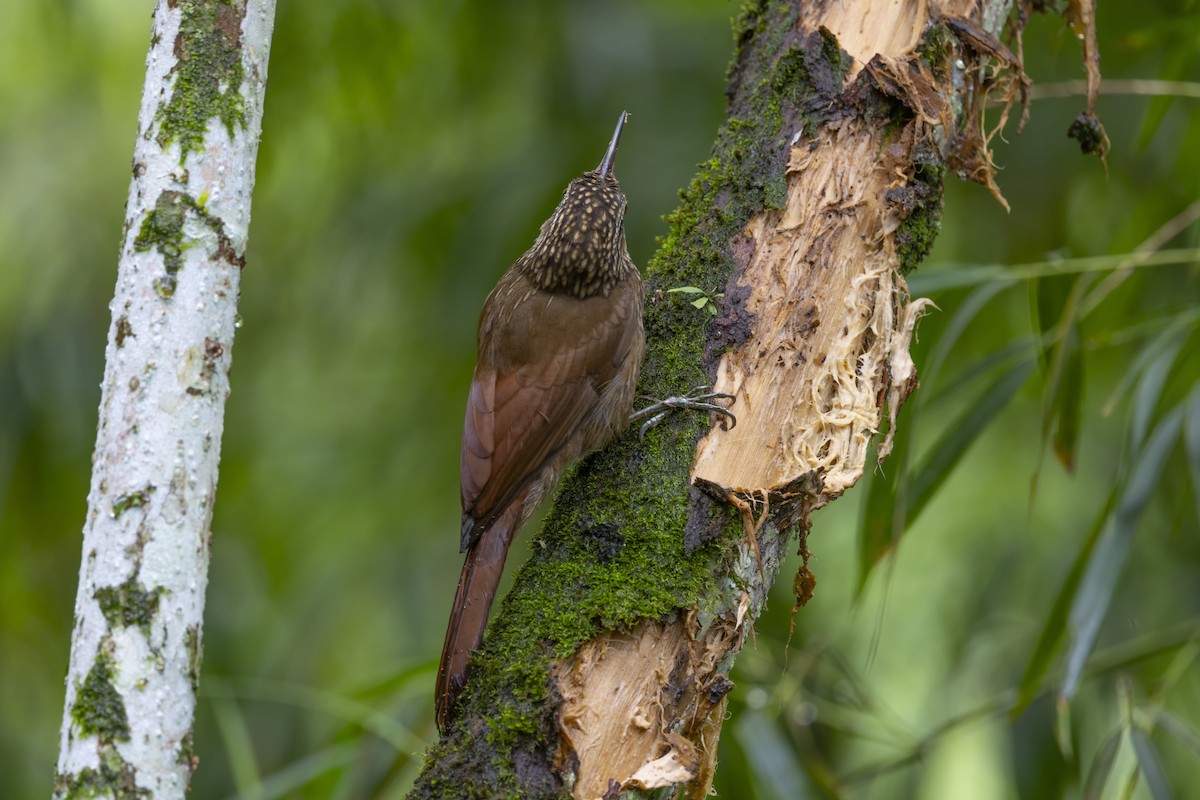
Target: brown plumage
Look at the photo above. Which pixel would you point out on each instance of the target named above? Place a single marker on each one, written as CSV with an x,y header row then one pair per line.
x,y
560,344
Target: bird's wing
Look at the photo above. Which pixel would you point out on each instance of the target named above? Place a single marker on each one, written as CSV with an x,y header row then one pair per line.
x,y
520,416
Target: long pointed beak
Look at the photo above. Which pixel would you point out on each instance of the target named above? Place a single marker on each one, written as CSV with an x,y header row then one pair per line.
x,y
606,166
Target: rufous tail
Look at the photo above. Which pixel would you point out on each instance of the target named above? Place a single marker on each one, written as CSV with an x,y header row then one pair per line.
x,y
468,616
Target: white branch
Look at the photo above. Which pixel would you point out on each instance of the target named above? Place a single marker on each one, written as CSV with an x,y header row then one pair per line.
x,y
135,650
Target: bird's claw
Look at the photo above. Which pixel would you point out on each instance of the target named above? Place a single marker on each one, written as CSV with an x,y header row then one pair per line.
x,y
699,399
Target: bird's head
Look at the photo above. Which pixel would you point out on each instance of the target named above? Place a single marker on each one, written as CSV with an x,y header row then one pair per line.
x,y
580,249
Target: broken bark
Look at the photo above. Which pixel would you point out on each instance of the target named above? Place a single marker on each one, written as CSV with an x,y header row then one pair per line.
x,y
606,669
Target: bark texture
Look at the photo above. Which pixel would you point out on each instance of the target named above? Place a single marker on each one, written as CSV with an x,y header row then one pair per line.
x,y
606,670
136,643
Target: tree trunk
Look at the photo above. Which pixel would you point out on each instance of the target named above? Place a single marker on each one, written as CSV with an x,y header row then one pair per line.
x,y
135,649
606,667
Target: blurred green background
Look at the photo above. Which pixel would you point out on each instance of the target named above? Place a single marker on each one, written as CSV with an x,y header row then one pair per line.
x,y
410,151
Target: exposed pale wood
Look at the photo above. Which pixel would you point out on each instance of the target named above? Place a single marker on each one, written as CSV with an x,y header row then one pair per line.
x,y
887,27
831,328
832,321
829,350
626,715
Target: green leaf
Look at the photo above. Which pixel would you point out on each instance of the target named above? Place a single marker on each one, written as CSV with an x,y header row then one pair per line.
x,y
239,747
770,754
1055,625
1149,391
701,303
289,780
1171,337
1048,297
1069,405
1177,65
882,522
964,314
1150,765
333,704
1090,605
1101,768
1179,729
686,290
1055,309
961,434
1191,438
1022,349
957,276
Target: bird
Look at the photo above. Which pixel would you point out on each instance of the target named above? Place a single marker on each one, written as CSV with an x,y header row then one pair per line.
x,y
560,344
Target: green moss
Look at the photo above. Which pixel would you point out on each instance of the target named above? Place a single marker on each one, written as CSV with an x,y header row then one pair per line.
x,y
98,706
135,499
208,76
937,46
162,230
129,604
118,784
917,232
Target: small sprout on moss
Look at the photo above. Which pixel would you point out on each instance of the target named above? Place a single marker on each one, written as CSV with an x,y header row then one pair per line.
x,y
705,300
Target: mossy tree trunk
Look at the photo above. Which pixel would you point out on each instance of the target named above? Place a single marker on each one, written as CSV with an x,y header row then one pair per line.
x,y
135,649
606,667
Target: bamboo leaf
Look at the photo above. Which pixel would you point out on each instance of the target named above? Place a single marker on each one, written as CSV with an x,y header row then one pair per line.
x,y
957,276
1169,337
1021,349
239,747
1150,765
770,755
333,704
1047,301
1055,309
1149,390
883,515
1101,768
964,314
961,434
1055,626
1179,729
1069,403
1096,589
289,780
1191,438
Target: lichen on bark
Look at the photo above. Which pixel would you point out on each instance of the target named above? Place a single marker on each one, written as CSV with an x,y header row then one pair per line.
x,y
209,75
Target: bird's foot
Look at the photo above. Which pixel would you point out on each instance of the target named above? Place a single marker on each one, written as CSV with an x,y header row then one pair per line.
x,y
702,398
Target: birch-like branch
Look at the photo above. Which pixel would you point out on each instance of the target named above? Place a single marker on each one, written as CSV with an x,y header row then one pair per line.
x,y
136,641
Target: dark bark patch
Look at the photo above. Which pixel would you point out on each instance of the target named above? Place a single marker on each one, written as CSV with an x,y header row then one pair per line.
x,y
605,539
706,519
